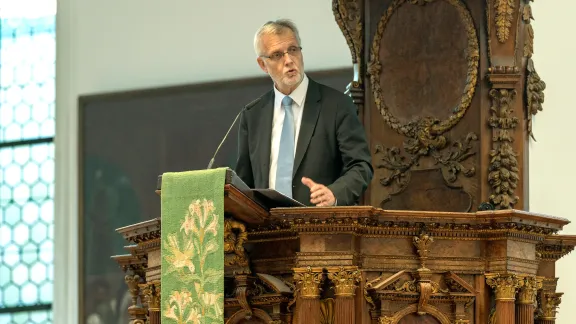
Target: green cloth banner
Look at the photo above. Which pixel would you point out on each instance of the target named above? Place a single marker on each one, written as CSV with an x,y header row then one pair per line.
x,y
193,247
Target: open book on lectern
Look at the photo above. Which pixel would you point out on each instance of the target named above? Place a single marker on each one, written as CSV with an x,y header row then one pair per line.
x,y
274,199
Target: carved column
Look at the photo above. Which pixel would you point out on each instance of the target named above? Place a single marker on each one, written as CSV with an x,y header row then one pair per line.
x,y
505,287
152,296
308,282
136,311
527,300
548,307
345,280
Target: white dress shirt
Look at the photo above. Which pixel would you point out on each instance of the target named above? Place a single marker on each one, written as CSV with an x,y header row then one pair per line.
x,y
299,97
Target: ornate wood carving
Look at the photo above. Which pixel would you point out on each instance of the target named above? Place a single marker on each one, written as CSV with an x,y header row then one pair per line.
x,y
348,14
424,135
505,285
425,131
528,289
503,169
235,258
534,94
345,280
529,31
504,18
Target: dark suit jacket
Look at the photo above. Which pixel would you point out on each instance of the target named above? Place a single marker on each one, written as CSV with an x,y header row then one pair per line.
x,y
332,149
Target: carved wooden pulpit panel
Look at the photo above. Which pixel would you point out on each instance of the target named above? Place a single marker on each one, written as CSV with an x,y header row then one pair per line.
x,y
446,90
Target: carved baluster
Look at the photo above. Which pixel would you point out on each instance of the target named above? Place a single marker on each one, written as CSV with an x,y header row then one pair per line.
x,y
136,311
345,280
308,285
505,287
527,300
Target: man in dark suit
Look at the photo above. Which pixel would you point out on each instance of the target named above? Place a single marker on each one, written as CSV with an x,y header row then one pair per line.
x,y
302,138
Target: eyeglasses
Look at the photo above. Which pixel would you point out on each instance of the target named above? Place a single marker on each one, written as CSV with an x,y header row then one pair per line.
x,y
277,56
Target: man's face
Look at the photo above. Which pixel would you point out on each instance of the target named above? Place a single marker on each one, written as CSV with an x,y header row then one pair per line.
x,y
286,70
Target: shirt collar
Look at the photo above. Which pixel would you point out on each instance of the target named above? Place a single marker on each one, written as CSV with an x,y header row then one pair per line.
x,y
298,95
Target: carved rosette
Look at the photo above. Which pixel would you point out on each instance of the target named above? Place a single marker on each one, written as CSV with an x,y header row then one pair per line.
x,y
345,280
529,289
504,285
308,282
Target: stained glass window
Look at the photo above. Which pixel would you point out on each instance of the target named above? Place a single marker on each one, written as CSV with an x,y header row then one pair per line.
x,y
27,98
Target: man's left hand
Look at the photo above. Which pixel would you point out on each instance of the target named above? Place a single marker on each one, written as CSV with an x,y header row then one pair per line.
x,y
320,195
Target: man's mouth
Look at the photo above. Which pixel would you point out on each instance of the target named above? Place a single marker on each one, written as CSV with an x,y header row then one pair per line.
x,y
291,71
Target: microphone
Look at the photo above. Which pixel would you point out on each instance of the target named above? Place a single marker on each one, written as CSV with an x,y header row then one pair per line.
x,y
247,107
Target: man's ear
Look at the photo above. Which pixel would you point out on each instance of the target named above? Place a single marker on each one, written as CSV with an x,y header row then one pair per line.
x,y
261,64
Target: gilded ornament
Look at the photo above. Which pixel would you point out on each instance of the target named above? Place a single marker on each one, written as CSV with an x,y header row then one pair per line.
x,y
504,17
345,281
503,169
308,283
504,285
534,94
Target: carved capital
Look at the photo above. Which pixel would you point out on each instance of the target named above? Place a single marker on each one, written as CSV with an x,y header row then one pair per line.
x,y
550,303
461,321
345,280
151,292
504,285
528,290
308,281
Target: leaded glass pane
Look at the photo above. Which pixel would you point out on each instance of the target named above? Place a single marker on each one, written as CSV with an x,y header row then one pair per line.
x,y
26,224
27,83
34,317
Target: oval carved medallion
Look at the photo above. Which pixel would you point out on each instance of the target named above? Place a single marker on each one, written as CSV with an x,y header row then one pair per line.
x,y
423,69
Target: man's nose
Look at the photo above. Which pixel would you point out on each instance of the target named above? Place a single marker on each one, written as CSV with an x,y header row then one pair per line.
x,y
287,59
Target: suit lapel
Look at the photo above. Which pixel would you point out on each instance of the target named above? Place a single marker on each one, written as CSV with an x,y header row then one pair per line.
x,y
266,114
310,115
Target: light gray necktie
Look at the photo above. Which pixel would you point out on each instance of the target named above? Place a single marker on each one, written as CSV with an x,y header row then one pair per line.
x,y
286,150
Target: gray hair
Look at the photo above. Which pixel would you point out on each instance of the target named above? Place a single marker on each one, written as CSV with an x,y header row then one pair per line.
x,y
274,27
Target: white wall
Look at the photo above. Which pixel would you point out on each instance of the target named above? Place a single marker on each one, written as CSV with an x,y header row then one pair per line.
x,y
552,157
108,45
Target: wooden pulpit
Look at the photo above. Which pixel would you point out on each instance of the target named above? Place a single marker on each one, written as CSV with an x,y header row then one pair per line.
x,y
446,90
